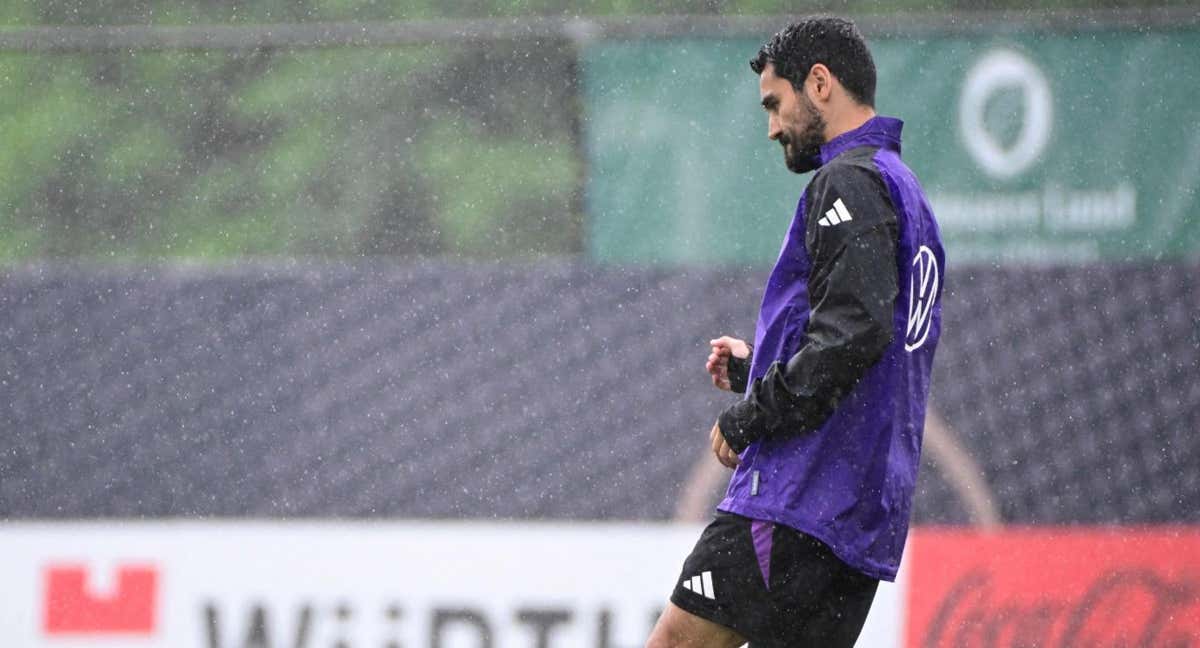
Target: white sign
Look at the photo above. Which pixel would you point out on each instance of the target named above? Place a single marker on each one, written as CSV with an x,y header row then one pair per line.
x,y
346,585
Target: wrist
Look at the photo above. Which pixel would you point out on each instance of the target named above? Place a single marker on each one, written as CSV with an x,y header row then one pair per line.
x,y
738,370
740,426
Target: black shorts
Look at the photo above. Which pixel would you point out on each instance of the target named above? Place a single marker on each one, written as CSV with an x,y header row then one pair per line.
x,y
773,585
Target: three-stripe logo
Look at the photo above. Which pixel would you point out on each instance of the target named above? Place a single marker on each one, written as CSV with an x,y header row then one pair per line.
x,y
702,585
836,216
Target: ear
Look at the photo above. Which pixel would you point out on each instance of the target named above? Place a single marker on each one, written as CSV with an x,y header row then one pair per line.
x,y
820,82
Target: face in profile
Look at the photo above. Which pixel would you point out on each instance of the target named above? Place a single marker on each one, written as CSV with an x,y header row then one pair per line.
x,y
792,120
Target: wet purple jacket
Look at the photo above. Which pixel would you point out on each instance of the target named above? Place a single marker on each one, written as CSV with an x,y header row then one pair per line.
x,y
830,430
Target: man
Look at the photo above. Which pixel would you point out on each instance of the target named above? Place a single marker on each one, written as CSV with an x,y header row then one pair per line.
x,y
826,443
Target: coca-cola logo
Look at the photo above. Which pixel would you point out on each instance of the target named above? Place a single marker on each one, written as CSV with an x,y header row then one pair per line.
x,y
1119,609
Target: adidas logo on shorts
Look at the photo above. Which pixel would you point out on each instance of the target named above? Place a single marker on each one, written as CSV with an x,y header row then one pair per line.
x,y
701,585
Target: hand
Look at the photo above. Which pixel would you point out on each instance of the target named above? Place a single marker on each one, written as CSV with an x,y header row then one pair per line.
x,y
725,454
718,361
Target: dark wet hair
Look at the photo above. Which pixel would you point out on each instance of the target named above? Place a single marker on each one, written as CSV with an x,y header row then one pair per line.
x,y
821,39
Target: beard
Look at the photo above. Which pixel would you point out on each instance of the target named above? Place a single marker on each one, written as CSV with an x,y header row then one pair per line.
x,y
802,148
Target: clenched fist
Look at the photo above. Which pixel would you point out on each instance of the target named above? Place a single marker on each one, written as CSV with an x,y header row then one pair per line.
x,y
718,361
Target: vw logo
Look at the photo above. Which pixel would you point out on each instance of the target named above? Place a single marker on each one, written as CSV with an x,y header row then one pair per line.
x,y
922,292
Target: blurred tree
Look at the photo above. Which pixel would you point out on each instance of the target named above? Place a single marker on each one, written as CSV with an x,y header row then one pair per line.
x,y
467,150
77,12
455,148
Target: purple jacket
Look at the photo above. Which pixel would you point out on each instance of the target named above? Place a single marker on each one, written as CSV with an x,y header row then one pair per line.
x,y
830,430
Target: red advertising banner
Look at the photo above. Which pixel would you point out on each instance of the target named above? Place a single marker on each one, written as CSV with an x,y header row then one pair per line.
x,y
1054,588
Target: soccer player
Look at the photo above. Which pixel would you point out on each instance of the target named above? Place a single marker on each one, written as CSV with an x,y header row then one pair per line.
x,y
826,443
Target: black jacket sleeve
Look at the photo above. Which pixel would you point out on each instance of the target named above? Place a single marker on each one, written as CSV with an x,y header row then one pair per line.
x,y
852,288
739,371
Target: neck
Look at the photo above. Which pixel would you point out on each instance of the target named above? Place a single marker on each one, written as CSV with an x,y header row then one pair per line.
x,y
852,117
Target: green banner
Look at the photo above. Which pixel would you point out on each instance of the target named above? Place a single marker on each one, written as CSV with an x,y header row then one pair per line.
x,y
1064,147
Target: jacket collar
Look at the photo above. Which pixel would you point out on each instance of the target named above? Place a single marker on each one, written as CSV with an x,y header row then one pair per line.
x,y
880,131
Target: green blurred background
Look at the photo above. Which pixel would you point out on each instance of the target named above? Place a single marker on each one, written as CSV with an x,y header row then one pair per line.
x,y
456,147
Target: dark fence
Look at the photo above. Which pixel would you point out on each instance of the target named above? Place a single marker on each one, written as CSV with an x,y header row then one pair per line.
x,y
547,390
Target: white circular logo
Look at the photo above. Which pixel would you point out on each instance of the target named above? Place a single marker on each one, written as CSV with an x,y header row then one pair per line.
x,y
922,293
996,71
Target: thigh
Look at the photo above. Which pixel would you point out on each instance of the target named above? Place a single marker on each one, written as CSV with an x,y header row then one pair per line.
x,y
678,628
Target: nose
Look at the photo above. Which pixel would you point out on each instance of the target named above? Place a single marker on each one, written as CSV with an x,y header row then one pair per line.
x,y
773,128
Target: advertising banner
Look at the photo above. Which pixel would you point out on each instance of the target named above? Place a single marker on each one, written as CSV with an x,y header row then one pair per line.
x,y
1094,588
245,584
347,585
1033,147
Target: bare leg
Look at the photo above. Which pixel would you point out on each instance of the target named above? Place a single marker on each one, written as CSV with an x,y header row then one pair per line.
x,y
677,628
